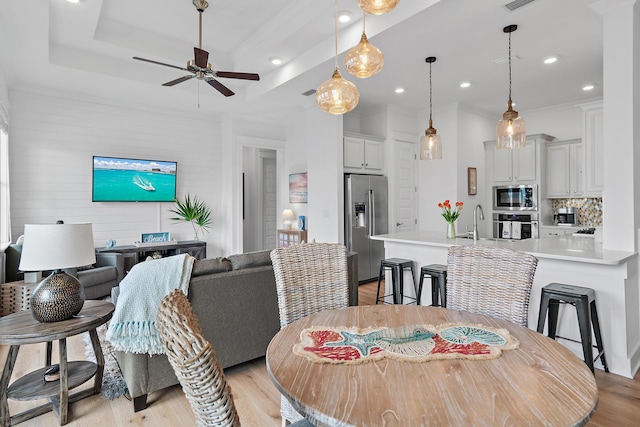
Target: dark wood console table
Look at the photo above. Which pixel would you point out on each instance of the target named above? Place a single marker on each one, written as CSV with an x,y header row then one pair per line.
x,y
21,328
134,254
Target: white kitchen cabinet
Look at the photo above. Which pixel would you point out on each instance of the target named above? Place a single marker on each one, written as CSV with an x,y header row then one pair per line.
x,y
593,145
363,154
565,169
515,167
555,231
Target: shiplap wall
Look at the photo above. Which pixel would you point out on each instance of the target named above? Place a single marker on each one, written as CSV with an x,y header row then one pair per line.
x,y
53,140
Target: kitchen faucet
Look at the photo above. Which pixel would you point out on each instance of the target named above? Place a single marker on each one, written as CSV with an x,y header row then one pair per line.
x,y
475,220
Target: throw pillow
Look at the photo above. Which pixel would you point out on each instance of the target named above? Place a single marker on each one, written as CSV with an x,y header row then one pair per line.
x,y
210,265
250,259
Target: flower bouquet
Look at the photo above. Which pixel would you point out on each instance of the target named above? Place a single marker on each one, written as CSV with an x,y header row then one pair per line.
x,y
450,214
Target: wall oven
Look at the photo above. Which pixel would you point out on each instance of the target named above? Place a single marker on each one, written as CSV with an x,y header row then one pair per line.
x,y
515,226
515,198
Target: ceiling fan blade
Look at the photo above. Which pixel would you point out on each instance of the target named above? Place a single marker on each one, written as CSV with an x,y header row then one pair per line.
x,y
234,75
201,56
159,63
220,87
180,80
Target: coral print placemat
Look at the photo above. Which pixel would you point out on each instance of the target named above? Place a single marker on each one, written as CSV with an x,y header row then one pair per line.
x,y
413,343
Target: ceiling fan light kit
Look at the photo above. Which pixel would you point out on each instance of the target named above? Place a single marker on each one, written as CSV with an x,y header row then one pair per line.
x,y
200,67
511,129
377,7
430,142
364,60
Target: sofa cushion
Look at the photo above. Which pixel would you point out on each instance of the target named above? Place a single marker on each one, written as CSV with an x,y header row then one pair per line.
x,y
250,259
97,276
210,265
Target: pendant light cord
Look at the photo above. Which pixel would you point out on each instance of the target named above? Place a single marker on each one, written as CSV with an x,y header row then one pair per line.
x,y
430,93
509,66
335,19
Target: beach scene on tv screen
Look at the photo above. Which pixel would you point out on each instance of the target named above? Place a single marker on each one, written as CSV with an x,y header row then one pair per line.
x,y
133,180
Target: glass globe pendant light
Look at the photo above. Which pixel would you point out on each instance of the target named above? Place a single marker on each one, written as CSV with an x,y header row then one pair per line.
x,y
337,95
511,129
430,142
364,60
377,7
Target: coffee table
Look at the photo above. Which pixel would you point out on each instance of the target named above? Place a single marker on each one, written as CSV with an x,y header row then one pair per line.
x,y
539,383
21,328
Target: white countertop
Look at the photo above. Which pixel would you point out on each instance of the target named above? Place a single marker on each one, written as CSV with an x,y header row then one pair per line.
x,y
567,247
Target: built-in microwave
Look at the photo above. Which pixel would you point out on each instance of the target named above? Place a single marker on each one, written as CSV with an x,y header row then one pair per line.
x,y
515,198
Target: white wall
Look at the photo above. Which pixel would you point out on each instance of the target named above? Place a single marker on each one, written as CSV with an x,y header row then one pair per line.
x,y
296,162
53,139
562,122
325,176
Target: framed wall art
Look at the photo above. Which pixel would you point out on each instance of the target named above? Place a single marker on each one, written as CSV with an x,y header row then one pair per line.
x,y
472,181
298,188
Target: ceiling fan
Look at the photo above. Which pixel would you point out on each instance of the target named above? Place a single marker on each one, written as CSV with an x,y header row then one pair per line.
x,y
200,68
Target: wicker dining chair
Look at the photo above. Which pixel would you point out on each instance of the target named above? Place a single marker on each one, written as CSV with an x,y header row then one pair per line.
x,y
490,280
195,364
310,277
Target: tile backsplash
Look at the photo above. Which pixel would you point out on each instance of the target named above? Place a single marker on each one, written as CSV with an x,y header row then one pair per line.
x,y
589,209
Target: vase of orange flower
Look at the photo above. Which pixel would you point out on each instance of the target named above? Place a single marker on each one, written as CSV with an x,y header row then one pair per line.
x,y
450,214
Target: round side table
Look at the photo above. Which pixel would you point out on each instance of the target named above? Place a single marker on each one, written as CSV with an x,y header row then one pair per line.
x,y
21,328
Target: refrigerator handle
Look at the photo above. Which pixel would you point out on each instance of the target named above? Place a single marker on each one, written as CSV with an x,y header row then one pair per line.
x,y
372,213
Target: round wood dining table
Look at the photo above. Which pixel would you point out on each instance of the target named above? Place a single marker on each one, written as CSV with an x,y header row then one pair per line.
x,y
540,383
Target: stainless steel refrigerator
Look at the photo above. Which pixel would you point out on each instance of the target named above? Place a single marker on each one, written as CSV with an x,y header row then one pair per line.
x,y
366,214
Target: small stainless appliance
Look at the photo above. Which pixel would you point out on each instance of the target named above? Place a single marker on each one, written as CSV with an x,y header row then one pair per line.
x,y
566,216
515,226
515,198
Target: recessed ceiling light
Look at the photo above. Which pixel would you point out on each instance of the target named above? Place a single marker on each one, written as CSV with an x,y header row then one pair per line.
x,y
588,87
344,16
399,90
550,59
73,1
275,60
465,84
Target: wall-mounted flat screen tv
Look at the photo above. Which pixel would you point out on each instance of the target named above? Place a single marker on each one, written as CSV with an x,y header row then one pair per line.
x,y
118,179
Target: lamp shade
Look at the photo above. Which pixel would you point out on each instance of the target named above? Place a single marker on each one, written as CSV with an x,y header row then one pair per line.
x,y
430,147
364,60
377,7
337,95
511,130
57,246
288,215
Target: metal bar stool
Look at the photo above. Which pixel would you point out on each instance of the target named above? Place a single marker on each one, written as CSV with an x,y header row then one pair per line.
x,y
584,300
438,274
397,266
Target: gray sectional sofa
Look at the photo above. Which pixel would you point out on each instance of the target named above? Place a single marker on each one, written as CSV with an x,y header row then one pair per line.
x,y
236,304
97,279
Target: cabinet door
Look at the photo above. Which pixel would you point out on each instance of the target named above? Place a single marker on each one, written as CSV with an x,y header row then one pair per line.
x,y
594,146
524,162
502,165
558,175
577,170
353,150
373,154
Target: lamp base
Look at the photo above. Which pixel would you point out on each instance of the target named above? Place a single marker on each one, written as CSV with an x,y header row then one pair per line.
x,y
58,297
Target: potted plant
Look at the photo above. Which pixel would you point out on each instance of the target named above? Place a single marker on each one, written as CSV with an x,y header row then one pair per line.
x,y
194,211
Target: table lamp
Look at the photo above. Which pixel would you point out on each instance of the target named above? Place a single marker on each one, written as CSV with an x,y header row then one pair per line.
x,y
55,247
287,216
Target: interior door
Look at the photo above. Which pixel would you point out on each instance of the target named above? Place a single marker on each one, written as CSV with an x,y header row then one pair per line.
x,y
406,204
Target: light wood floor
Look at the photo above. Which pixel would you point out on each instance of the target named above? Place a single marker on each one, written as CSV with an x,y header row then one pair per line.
x,y
257,399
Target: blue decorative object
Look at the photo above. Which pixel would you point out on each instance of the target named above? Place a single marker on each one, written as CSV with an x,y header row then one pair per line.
x,y
160,237
469,334
302,223
111,243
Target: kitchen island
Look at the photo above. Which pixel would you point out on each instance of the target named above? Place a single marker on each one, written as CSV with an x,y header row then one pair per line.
x,y
576,260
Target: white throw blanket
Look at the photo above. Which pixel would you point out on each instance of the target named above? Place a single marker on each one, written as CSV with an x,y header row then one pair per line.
x,y
133,326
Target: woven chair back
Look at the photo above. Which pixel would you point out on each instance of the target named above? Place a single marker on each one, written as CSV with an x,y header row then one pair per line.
x,y
195,363
490,280
310,277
